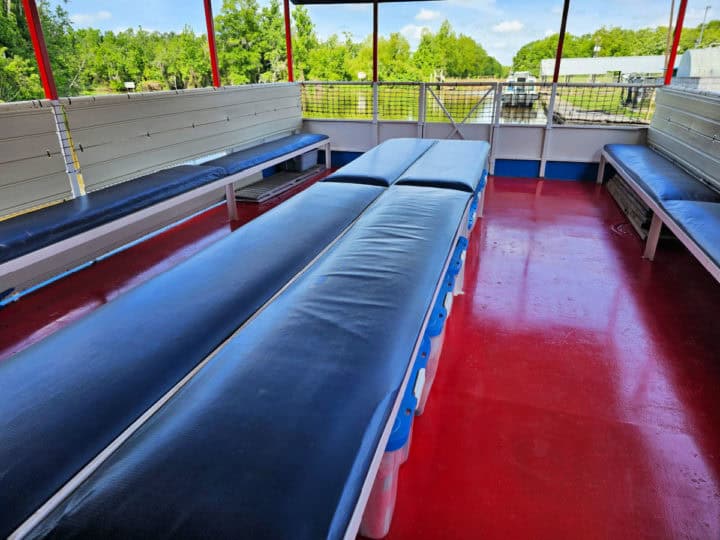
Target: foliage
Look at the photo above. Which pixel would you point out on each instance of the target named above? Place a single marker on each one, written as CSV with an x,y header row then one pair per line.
x,y
613,42
251,49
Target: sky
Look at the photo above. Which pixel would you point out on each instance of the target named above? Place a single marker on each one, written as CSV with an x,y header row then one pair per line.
x,y
501,26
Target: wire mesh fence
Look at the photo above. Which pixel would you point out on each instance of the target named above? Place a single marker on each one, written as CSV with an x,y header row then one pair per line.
x,y
463,103
399,101
482,102
352,101
604,104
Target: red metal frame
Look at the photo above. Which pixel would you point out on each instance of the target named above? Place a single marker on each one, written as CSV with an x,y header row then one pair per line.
x,y
561,41
288,41
41,54
209,22
375,41
676,42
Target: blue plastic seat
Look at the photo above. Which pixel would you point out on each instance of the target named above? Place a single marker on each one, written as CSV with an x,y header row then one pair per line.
x,y
659,177
250,157
274,437
66,398
701,221
450,164
35,230
384,164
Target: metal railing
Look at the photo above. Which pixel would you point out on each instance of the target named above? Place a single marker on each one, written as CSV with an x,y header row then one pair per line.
x,y
705,84
461,103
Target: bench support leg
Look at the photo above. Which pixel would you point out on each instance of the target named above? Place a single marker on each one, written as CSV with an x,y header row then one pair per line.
x,y
231,204
601,169
328,157
653,237
481,202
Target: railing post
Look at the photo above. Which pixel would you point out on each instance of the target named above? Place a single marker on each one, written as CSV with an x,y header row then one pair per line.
x,y
548,129
676,42
376,107
210,25
422,101
288,40
494,126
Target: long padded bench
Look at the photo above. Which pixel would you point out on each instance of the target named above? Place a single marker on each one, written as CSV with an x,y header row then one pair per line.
x,y
280,430
383,164
67,398
278,434
678,175
46,232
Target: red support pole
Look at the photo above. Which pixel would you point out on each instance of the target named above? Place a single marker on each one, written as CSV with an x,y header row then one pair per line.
x,y
676,42
288,41
41,54
210,23
561,40
375,41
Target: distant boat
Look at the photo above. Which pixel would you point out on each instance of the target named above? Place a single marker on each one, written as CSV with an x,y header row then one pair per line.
x,y
522,94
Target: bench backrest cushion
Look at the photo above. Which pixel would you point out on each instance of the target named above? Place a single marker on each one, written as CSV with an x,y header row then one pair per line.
x,y
122,137
33,168
66,398
450,164
382,165
685,129
274,437
250,157
31,231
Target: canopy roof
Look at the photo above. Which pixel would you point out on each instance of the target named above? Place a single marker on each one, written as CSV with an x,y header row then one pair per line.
x,y
302,2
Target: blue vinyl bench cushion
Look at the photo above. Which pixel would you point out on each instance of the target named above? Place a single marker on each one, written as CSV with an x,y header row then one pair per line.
x,y
35,230
274,437
701,221
384,164
66,398
450,164
245,159
658,176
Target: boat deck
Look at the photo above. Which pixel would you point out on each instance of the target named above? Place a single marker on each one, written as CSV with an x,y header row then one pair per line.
x,y
577,395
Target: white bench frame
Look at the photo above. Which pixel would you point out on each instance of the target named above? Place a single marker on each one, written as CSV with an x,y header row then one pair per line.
x,y
32,268
659,217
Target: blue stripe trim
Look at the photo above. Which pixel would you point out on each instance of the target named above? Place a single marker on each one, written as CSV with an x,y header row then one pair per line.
x,y
565,170
523,168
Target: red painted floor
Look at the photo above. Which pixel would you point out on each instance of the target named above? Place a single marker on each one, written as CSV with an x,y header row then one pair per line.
x,y
579,391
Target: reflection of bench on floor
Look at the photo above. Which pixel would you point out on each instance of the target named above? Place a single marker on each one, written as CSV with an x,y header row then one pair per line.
x,y
37,245
255,389
678,174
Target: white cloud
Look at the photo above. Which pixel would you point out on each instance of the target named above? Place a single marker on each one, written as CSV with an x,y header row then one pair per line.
x,y
508,26
413,33
427,15
549,32
87,19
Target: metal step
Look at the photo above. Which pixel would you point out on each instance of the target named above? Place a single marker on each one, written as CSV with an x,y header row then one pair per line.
x,y
274,185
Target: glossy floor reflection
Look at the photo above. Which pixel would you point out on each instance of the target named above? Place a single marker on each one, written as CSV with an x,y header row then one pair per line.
x,y
578,395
